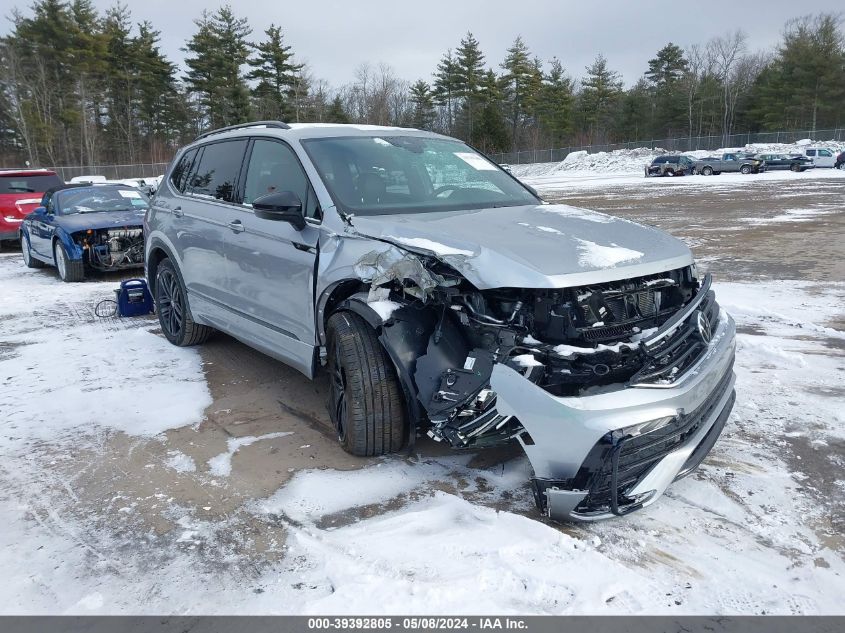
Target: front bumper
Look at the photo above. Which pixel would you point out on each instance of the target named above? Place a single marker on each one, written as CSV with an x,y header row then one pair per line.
x,y
577,448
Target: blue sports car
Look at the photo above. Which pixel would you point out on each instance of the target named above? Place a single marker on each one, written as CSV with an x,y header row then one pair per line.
x,y
79,227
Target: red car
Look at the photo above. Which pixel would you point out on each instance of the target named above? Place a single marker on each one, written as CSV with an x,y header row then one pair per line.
x,y
20,193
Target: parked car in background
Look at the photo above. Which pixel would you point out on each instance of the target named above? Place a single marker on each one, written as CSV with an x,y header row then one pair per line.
x,y
20,193
79,227
820,156
87,179
785,161
669,165
840,161
444,297
728,162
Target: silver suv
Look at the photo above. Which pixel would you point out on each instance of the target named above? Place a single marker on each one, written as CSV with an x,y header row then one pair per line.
x,y
444,297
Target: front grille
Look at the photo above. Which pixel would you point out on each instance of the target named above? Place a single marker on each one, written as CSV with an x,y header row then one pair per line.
x,y
668,361
636,455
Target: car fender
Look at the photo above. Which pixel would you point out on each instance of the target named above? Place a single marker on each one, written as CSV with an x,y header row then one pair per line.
x,y
73,250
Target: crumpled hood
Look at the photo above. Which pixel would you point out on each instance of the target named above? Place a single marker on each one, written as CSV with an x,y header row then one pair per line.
x,y
101,220
534,246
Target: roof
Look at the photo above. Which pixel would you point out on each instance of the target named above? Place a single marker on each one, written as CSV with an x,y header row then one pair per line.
x,y
27,172
301,131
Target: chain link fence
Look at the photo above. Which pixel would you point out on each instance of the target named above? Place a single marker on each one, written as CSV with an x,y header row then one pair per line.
x,y
680,144
111,172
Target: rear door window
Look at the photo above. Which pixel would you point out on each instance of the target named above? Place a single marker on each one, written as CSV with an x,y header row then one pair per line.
x,y
811,152
216,174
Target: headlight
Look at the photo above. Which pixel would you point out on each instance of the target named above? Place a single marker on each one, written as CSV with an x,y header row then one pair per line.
x,y
646,427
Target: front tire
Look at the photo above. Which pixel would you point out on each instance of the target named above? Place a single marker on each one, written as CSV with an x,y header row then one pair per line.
x,y
745,169
70,270
28,259
707,171
366,403
174,316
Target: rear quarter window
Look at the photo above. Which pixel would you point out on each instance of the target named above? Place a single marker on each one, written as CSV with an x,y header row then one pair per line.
x,y
179,175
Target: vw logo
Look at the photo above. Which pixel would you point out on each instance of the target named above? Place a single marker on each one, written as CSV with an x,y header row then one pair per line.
x,y
704,327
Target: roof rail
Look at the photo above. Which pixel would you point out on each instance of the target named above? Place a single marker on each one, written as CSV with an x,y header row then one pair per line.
x,y
276,124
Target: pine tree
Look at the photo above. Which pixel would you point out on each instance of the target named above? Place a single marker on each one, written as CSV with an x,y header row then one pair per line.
x,y
491,133
664,76
600,93
421,97
219,49
277,75
469,63
519,84
805,84
336,112
557,104
446,87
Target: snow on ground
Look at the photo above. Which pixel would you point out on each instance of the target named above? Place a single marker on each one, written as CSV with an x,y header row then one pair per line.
x,y
624,167
756,530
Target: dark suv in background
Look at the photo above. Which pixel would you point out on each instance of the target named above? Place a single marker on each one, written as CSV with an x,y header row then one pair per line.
x,y
669,165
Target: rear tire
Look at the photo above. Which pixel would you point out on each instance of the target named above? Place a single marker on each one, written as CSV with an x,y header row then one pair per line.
x,y
28,259
366,403
70,270
174,315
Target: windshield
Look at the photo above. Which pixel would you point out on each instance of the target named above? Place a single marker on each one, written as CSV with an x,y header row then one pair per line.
x,y
380,175
99,199
28,184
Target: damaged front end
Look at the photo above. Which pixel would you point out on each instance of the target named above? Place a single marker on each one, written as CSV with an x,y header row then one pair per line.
x,y
613,389
113,248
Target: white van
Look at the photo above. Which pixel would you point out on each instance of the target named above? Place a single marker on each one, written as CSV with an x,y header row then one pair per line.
x,y
820,156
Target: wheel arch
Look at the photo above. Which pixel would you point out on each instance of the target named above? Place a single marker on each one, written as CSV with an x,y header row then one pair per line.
x,y
156,253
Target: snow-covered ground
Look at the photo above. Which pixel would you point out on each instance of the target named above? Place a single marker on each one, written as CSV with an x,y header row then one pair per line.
x,y
624,167
758,529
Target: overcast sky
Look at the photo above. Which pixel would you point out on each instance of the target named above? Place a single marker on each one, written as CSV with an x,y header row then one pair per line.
x,y
334,37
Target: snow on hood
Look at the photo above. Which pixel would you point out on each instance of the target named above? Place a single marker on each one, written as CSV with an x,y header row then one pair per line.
x,y
534,246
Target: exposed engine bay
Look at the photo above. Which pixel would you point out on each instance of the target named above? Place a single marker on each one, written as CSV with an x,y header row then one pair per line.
x,y
113,249
569,342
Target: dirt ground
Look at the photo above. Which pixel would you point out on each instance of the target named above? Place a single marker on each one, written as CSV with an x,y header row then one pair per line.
x,y
255,395
274,424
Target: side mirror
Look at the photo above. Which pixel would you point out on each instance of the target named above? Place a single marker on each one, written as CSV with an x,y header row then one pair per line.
x,y
282,205
40,210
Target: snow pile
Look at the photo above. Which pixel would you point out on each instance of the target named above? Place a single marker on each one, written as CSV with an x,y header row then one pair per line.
x,y
617,161
634,160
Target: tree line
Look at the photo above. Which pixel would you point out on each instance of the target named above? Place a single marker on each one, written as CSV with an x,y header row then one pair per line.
x,y
82,87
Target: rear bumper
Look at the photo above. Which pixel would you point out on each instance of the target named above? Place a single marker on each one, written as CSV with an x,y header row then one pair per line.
x,y
576,445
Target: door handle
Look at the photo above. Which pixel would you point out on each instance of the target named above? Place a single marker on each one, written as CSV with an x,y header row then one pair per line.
x,y
236,225
177,212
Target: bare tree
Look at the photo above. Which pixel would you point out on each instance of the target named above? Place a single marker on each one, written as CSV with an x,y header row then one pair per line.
x,y
725,53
